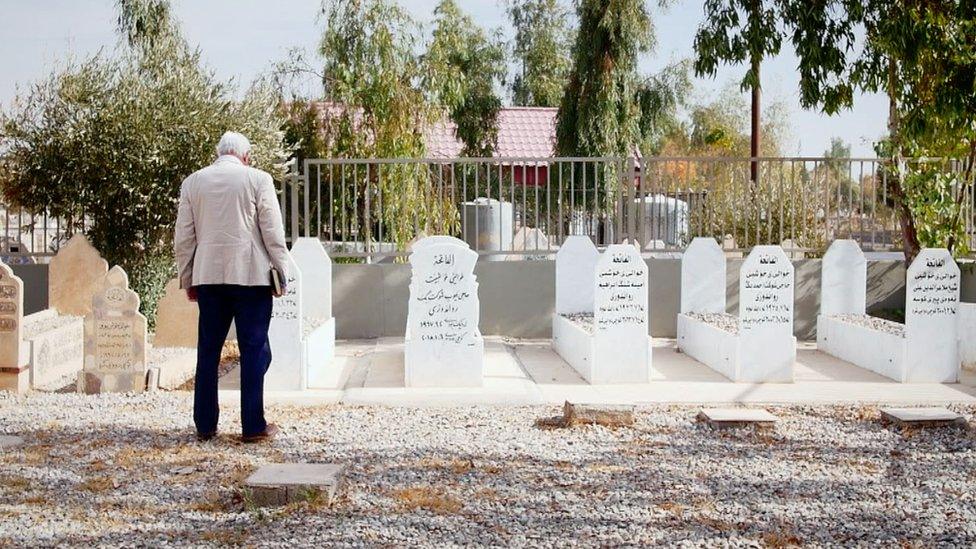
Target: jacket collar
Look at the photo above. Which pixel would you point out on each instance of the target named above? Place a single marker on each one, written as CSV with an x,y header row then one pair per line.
x,y
229,158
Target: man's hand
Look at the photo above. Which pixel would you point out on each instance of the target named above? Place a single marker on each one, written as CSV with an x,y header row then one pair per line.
x,y
191,294
284,290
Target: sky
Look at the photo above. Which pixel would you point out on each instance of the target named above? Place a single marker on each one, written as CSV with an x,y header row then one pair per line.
x,y
242,39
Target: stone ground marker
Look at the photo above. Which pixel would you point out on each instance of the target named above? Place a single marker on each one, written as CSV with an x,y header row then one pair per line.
x,y
115,339
443,345
931,308
283,483
14,375
176,318
575,269
921,417
287,372
11,442
767,349
724,418
703,277
607,415
844,279
74,275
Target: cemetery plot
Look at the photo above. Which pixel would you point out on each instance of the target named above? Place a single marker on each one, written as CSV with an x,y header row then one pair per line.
x,y
115,339
14,375
443,345
923,350
602,331
758,345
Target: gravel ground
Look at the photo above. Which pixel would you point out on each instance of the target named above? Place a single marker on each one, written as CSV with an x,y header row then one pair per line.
x,y
583,320
873,322
122,470
723,321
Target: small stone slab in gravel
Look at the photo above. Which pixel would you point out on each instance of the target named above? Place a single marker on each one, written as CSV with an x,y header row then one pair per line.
x,y
920,417
9,442
608,415
282,483
723,418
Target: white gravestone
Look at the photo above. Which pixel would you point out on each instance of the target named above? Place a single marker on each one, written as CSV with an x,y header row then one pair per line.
x,y
767,349
285,335
931,308
529,239
575,267
703,277
115,339
843,279
620,318
443,345
316,270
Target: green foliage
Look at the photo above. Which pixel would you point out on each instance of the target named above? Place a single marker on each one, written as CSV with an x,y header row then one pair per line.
x,y
378,110
543,39
462,68
737,31
105,144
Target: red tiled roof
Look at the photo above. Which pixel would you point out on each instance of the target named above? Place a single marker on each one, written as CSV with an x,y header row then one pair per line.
x,y
522,132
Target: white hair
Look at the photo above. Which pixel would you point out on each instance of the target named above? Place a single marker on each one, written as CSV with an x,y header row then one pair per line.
x,y
233,143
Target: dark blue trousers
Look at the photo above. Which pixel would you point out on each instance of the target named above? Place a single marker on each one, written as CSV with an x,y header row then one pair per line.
x,y
250,309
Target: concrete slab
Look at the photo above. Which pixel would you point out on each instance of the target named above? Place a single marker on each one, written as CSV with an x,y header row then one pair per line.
x,y
282,483
10,442
721,418
920,417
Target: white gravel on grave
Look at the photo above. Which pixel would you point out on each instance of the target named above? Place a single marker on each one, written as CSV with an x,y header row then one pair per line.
x,y
723,321
311,323
874,323
36,326
120,470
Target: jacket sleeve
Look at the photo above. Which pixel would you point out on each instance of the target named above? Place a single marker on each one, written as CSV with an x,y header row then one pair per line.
x,y
185,239
272,229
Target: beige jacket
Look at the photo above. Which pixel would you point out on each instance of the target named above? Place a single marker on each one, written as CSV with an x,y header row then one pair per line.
x,y
228,229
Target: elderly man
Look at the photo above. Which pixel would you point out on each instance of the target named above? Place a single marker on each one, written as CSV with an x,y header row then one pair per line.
x,y
228,238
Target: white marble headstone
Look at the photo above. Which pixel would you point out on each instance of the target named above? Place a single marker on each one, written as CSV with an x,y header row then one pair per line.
x,y
620,317
843,279
575,265
285,335
931,308
115,336
444,347
11,319
531,239
703,277
316,268
767,349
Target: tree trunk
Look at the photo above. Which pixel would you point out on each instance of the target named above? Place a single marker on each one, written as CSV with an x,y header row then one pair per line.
x,y
756,137
909,233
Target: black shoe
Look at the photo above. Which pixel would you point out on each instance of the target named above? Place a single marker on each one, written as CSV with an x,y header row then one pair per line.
x,y
204,437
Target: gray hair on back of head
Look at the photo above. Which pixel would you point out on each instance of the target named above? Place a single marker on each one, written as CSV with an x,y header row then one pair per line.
x,y
233,143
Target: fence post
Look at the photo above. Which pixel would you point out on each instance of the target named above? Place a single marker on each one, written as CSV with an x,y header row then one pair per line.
x,y
630,211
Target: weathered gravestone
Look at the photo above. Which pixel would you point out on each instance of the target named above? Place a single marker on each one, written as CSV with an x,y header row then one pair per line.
x,y
176,318
14,375
621,345
287,372
575,269
115,339
443,345
767,348
315,267
931,306
529,239
74,275
703,277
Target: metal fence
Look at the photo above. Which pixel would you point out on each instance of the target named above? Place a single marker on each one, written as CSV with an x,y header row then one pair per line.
x,y
510,208
513,208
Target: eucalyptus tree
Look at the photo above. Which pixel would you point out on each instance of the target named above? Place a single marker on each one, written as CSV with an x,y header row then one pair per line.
x,y
544,36
464,68
103,144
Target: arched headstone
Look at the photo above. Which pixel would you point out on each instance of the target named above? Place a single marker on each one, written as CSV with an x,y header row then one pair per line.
x,y
115,339
74,275
316,268
176,318
575,267
620,317
767,349
443,345
843,279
